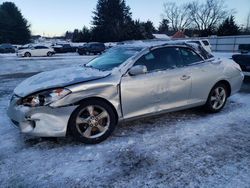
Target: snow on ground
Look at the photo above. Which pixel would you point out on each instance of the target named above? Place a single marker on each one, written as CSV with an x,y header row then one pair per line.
x,y
38,64
181,149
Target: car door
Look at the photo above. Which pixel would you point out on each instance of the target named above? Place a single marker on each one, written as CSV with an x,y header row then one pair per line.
x,y
204,74
164,86
35,51
44,51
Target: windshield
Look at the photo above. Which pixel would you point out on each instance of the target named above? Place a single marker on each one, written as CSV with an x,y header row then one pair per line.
x,y
113,58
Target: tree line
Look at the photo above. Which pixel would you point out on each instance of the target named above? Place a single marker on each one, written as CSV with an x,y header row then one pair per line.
x,y
112,22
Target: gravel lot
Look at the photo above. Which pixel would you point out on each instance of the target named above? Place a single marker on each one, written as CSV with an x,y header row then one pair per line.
x,y
182,149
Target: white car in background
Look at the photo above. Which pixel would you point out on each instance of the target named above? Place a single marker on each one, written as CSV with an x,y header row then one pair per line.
x,y
36,51
204,43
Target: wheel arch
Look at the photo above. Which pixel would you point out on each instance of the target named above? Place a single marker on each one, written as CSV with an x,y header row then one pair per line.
x,y
95,99
27,52
226,83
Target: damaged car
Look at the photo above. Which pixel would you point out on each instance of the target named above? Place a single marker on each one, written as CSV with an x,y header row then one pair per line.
x,y
128,81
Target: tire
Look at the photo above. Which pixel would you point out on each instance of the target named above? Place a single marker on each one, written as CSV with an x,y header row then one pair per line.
x,y
217,98
49,54
92,122
27,54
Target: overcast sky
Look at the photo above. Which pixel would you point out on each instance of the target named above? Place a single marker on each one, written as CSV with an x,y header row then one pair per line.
x,y
54,17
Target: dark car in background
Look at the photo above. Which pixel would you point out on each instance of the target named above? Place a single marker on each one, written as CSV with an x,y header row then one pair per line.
x,y
7,48
244,48
91,48
244,61
64,48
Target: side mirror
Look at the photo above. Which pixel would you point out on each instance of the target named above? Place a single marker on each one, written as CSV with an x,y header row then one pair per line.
x,y
138,69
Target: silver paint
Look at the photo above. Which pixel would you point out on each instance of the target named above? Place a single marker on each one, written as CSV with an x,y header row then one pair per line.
x,y
131,96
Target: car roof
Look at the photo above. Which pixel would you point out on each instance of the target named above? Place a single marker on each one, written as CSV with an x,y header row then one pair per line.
x,y
155,44
39,45
175,43
95,43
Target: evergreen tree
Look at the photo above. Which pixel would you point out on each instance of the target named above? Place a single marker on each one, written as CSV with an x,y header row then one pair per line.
x,y
147,30
112,21
14,28
86,35
163,27
68,35
80,36
228,27
137,30
76,36
142,30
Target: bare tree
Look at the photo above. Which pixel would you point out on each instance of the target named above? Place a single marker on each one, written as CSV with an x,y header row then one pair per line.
x,y
206,16
178,16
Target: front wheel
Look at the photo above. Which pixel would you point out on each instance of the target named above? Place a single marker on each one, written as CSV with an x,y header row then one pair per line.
x,y
27,54
92,122
217,98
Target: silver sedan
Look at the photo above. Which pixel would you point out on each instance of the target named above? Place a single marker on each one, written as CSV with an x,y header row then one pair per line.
x,y
126,82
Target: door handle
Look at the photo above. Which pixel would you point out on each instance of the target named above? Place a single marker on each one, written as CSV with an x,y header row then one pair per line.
x,y
185,77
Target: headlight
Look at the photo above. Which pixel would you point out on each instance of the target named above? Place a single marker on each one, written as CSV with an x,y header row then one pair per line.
x,y
45,97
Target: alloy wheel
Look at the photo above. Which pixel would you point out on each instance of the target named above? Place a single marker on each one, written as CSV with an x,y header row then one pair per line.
x,y
92,121
218,98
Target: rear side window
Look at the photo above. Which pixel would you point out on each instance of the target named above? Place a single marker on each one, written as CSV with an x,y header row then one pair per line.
x,y
189,56
161,59
206,43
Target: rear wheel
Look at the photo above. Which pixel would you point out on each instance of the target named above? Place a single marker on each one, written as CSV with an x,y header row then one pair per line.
x,y
49,54
27,54
217,98
92,122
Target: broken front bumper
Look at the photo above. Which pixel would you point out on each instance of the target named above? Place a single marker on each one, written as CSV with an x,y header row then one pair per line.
x,y
41,121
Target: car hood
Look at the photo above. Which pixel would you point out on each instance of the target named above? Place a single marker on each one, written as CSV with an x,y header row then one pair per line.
x,y
58,78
